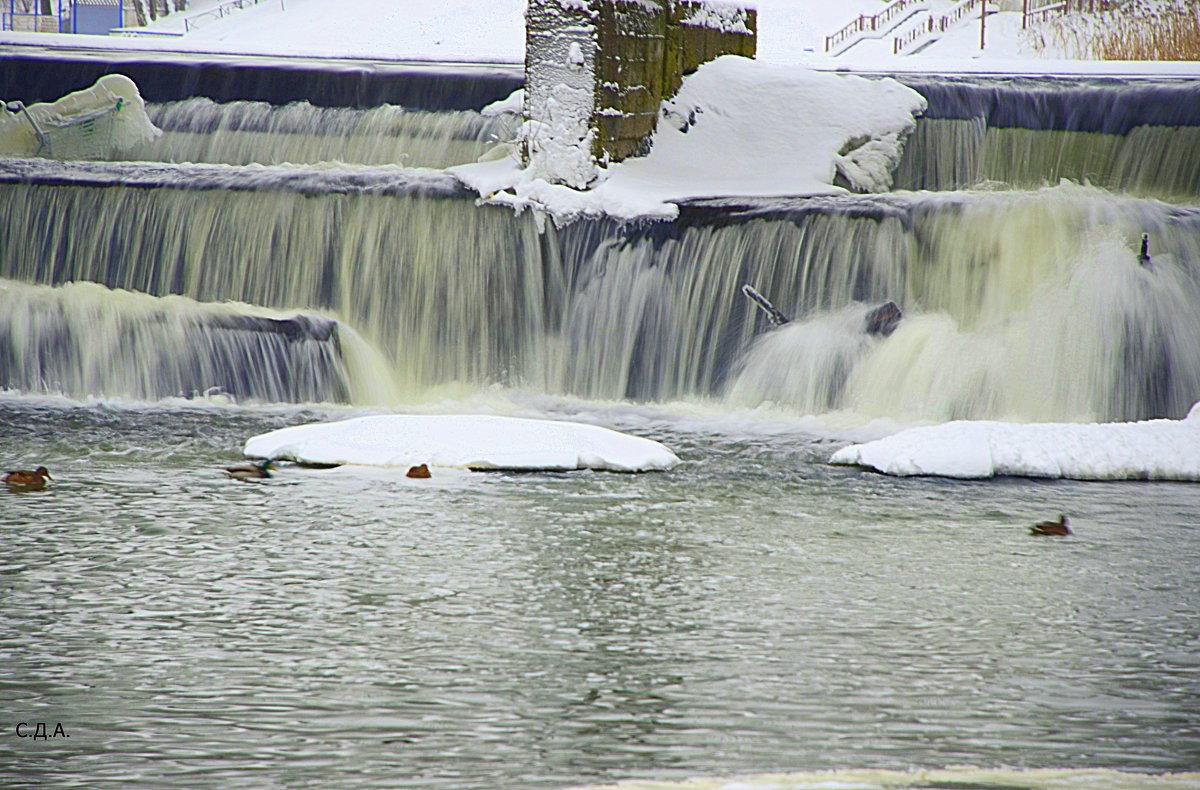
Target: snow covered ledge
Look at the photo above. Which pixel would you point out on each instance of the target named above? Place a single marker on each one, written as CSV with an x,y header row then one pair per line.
x,y
737,128
1150,450
597,70
477,442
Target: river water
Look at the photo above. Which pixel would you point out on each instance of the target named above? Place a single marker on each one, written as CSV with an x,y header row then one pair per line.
x,y
753,610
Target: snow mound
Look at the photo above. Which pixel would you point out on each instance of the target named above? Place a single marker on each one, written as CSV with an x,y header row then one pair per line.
x,y
1150,450
470,441
737,128
87,124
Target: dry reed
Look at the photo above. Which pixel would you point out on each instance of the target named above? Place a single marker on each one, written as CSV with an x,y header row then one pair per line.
x,y
1134,30
1173,34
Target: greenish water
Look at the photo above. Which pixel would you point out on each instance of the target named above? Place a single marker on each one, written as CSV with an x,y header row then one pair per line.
x,y
753,610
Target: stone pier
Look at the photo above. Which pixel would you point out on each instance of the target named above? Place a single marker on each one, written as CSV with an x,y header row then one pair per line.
x,y
597,71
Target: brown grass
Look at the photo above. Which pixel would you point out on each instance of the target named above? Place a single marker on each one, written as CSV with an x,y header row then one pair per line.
x,y
1132,30
1172,34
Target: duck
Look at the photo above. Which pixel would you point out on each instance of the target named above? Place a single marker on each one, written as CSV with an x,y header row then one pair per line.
x,y
251,471
1053,528
27,480
420,471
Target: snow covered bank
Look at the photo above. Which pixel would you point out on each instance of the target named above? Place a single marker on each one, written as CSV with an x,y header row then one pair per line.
x,y
470,441
1151,450
789,31
736,128
458,30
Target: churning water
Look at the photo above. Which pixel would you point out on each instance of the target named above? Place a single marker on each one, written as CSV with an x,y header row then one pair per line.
x,y
754,609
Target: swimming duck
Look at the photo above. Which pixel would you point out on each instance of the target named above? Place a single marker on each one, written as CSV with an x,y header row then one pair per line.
x,y
1054,528
27,480
420,472
251,471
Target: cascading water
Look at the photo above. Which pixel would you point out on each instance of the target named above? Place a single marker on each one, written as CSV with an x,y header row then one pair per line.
x,y
241,133
1038,325
1028,305
1151,161
449,292
1140,137
1018,304
84,340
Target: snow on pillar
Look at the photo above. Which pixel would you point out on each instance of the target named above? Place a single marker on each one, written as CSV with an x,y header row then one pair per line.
x,y
560,69
596,72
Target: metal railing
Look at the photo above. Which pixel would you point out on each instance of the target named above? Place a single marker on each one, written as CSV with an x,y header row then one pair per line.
x,y
133,32
220,12
872,23
1040,10
934,25
1030,12
32,23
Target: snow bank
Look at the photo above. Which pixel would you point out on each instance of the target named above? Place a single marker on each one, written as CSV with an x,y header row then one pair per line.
x,y
471,441
448,30
789,31
736,128
1151,450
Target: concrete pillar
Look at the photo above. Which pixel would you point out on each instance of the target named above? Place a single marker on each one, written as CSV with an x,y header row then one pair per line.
x,y
597,71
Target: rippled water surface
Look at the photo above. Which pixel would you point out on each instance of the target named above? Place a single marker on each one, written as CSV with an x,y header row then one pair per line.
x,y
753,610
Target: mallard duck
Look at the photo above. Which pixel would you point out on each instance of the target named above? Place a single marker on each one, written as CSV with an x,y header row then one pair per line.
x,y
23,478
421,472
251,471
1053,528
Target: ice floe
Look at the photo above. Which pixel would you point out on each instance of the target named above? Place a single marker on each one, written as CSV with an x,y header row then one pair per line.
x,y
463,441
1150,450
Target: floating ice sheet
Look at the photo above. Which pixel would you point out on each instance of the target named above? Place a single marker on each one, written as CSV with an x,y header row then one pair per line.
x,y
1150,450
470,441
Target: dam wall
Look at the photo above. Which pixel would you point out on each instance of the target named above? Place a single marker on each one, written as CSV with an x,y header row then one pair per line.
x,y
42,77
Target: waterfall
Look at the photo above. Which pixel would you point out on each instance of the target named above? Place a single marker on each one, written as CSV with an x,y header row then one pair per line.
x,y
241,133
1029,305
449,292
1042,326
1136,136
1019,278
1150,161
85,340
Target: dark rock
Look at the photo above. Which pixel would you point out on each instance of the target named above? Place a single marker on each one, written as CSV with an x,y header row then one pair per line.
x,y
883,319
